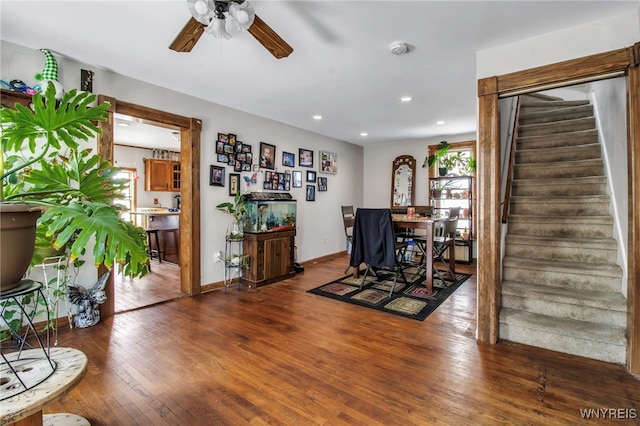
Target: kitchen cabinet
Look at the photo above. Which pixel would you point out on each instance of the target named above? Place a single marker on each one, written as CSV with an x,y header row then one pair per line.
x,y
271,257
161,175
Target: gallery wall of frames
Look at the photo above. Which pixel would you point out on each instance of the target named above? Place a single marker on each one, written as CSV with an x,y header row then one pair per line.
x,y
276,170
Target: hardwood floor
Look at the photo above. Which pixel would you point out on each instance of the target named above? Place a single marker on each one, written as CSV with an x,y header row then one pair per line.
x,y
160,285
278,355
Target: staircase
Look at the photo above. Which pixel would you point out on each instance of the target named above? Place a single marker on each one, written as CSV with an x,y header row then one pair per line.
x,y
561,287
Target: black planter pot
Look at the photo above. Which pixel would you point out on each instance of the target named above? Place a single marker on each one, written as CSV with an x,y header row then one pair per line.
x,y
17,242
442,171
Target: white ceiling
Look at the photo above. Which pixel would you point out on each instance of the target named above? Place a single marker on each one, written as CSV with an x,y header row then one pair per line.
x,y
341,66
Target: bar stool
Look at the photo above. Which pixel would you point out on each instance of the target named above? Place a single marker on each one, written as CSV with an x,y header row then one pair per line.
x,y
151,251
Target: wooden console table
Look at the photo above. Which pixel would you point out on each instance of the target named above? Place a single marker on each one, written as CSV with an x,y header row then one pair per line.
x,y
26,408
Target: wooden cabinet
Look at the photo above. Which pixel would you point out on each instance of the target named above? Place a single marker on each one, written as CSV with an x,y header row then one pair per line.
x,y
161,175
270,257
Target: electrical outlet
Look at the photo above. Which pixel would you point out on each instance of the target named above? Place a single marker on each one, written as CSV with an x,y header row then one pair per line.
x,y
155,201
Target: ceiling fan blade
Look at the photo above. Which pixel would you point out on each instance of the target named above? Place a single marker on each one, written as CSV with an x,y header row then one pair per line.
x,y
269,39
188,37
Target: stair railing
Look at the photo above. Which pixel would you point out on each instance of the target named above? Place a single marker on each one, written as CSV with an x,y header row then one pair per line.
x,y
510,164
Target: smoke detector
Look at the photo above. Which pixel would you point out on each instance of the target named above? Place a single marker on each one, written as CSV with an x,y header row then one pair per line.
x,y
399,48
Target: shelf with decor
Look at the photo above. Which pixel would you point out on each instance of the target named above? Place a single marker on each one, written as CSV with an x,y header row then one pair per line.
x,y
456,192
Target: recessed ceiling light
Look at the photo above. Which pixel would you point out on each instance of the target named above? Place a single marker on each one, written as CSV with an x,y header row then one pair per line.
x,y
317,117
405,99
123,124
440,122
364,134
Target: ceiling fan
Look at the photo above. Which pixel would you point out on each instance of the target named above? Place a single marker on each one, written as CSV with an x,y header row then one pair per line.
x,y
221,18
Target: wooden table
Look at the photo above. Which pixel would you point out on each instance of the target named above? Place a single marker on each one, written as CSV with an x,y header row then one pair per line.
x,y
426,223
26,408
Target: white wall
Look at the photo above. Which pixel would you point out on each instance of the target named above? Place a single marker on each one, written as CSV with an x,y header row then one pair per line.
x,y
320,230
562,45
610,107
378,161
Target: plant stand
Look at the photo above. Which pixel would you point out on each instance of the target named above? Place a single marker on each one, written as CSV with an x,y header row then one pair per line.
x,y
233,261
28,363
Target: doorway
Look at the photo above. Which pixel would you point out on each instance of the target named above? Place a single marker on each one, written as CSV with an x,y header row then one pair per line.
x,y
189,215
624,62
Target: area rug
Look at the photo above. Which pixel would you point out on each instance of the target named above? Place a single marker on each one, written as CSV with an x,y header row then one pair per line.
x,y
408,300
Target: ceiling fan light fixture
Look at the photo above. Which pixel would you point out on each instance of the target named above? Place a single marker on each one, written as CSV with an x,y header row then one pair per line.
x,y
202,10
217,29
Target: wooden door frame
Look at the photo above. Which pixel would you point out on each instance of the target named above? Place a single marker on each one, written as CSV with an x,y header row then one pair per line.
x,y
624,62
190,129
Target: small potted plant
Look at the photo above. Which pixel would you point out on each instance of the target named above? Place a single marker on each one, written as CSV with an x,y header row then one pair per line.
x,y
69,191
448,161
237,211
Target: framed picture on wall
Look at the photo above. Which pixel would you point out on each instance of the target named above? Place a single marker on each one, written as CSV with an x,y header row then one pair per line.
x,y
216,176
234,183
267,155
305,157
288,159
328,162
311,176
311,193
297,179
322,184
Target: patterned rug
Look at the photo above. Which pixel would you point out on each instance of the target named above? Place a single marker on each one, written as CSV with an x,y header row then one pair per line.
x,y
408,299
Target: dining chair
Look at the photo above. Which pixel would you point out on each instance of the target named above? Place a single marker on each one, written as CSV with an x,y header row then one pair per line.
x,y
446,240
348,219
375,244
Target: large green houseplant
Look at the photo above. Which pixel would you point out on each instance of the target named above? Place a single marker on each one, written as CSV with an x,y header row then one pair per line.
x,y
43,167
448,161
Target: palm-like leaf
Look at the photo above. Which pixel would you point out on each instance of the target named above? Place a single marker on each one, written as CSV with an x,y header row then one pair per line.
x,y
115,241
42,163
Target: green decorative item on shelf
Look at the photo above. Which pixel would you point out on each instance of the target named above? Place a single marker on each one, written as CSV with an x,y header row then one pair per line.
x,y
44,168
448,161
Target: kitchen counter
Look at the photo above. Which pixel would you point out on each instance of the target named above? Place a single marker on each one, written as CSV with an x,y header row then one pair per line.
x,y
157,213
168,224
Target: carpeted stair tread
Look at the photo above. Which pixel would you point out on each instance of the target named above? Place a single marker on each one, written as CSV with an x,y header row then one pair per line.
x,y
582,180
614,301
555,104
554,127
529,116
590,135
564,267
567,327
583,243
537,97
562,199
583,220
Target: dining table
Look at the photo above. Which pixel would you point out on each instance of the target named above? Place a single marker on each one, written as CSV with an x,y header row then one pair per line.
x,y
428,224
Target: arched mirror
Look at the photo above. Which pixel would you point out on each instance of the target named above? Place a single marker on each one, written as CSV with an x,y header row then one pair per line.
x,y
402,177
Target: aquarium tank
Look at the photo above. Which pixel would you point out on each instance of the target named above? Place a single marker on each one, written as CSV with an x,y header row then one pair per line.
x,y
269,212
